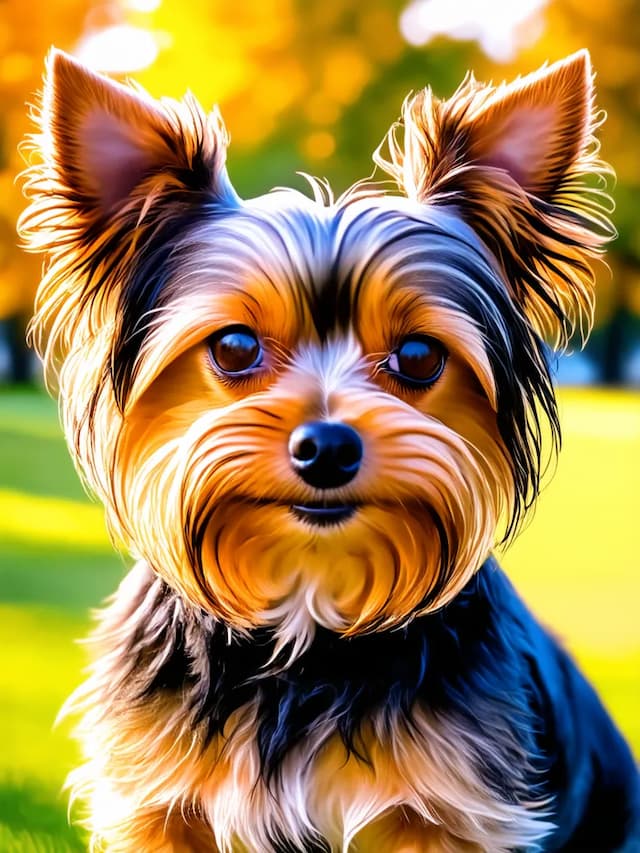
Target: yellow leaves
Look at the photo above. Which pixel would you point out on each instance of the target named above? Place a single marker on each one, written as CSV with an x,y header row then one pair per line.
x,y
346,72
15,67
319,145
240,56
378,30
320,109
218,49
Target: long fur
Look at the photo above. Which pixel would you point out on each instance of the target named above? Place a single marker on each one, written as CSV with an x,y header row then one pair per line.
x,y
545,225
262,683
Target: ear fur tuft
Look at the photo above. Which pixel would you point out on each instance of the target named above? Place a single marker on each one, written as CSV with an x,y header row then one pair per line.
x,y
520,163
100,141
110,166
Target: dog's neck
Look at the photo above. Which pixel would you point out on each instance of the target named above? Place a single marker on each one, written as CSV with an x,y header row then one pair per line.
x,y
453,661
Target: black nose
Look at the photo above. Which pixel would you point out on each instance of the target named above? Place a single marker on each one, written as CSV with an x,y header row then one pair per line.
x,y
326,455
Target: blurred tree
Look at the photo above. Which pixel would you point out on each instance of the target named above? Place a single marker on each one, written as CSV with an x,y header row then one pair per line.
x,y
288,76
26,32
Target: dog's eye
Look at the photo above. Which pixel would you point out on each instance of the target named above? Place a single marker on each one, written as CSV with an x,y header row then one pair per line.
x,y
235,349
418,361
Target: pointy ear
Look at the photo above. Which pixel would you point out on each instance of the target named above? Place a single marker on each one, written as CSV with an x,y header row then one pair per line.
x,y
100,140
536,128
519,162
112,169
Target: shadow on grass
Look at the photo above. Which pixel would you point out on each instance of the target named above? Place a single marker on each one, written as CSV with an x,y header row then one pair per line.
x,y
68,578
44,811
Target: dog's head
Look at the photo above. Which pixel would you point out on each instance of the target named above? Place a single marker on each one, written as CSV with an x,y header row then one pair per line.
x,y
301,410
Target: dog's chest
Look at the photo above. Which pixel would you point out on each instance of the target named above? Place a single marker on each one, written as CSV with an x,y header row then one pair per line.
x,y
412,788
436,759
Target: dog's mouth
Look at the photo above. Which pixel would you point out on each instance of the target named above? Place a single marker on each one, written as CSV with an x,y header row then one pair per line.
x,y
322,513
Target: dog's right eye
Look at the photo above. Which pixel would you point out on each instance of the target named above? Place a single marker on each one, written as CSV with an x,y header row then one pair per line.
x,y
235,349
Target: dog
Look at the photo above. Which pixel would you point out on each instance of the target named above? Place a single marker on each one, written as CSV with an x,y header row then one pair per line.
x,y
310,420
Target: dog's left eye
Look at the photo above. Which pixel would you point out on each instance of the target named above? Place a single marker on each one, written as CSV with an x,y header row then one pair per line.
x,y
235,349
418,361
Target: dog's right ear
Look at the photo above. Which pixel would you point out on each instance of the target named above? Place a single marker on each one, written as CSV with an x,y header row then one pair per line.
x,y
100,141
111,169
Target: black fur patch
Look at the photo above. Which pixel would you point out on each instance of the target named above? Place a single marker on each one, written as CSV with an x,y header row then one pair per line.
x,y
439,660
152,267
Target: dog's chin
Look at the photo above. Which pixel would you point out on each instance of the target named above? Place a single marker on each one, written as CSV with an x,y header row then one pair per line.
x,y
350,567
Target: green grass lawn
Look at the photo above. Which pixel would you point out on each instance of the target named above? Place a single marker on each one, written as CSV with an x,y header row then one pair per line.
x,y
577,564
55,564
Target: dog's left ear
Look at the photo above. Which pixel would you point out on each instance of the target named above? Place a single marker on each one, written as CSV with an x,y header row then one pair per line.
x,y
520,163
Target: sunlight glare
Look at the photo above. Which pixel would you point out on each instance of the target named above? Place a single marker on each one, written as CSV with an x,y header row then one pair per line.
x,y
144,6
501,27
118,49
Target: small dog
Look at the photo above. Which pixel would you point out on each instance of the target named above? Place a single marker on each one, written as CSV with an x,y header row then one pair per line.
x,y
309,420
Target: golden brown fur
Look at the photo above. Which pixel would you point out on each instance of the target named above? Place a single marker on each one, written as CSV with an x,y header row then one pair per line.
x,y
193,469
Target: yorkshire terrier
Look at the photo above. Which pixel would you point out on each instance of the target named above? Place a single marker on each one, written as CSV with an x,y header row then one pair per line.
x,y
310,420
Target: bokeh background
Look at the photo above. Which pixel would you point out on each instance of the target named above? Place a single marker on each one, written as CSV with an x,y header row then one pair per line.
x,y
310,86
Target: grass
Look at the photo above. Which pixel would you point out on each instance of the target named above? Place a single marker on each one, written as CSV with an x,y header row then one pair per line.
x,y
55,564
577,564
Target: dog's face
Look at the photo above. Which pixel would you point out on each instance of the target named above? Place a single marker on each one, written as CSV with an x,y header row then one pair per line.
x,y
318,427
312,411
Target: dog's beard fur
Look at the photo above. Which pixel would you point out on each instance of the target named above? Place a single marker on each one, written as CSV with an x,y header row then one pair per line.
x,y
151,252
